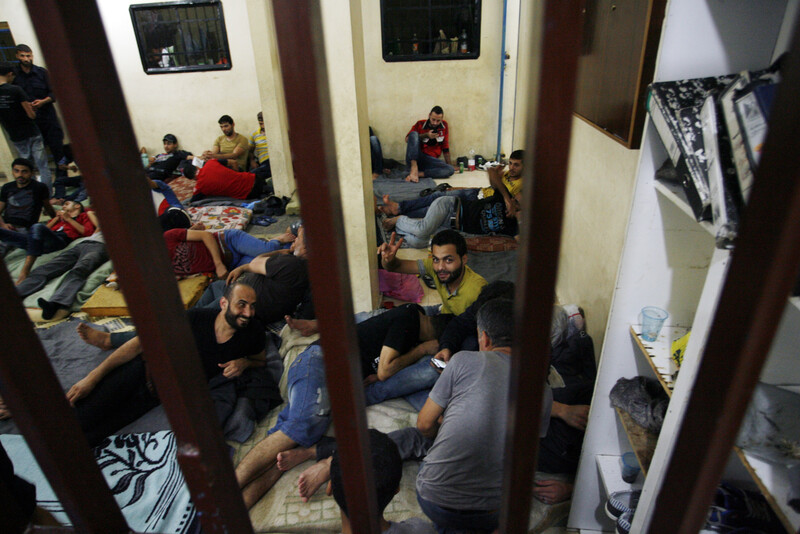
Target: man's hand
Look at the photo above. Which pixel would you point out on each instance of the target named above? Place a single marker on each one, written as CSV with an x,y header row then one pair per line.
x,y
4,412
287,236
221,270
304,326
81,388
40,102
428,347
388,251
234,368
511,207
444,355
234,274
576,416
371,379
552,491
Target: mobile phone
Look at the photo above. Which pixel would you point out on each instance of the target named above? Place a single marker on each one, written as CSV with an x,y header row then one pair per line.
x,y
441,364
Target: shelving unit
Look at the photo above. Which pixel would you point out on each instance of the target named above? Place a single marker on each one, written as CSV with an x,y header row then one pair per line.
x,y
670,260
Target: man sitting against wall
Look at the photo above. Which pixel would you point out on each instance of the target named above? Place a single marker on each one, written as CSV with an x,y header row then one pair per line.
x,y
230,147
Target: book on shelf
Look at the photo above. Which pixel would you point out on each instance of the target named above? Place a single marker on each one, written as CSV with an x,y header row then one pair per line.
x,y
752,105
726,200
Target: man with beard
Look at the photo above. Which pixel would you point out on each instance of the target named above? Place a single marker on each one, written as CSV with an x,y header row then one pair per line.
x,y
119,391
457,284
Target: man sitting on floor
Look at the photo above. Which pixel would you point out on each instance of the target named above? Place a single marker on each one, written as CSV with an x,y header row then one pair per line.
x,y
259,148
230,147
117,392
23,200
78,262
425,142
486,216
456,283
164,165
511,179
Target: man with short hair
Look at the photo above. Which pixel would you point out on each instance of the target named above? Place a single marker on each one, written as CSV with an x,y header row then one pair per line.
x,y
35,81
487,216
164,165
118,391
230,147
17,117
456,283
511,179
260,150
425,142
23,200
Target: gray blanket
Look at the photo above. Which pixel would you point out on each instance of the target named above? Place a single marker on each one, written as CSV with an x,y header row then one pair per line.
x,y
397,188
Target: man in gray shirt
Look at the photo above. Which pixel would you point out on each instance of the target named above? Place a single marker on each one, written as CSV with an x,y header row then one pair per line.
x,y
459,485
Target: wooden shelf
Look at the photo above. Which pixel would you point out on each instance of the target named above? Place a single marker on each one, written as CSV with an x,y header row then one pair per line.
x,y
642,440
674,193
658,353
773,481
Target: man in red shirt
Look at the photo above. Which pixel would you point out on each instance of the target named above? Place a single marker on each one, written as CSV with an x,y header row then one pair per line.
x,y
425,142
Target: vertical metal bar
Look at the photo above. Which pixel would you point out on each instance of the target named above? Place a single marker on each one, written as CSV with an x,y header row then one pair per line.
x,y
48,423
549,127
105,147
763,269
303,66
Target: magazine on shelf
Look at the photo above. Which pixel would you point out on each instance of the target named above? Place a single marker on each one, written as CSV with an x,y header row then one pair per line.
x,y
752,105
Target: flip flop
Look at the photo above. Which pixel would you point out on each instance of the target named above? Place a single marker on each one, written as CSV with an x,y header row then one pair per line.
x,y
426,192
442,187
263,220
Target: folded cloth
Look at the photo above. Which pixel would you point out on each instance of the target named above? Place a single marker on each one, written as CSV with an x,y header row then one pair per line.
x,y
643,399
400,286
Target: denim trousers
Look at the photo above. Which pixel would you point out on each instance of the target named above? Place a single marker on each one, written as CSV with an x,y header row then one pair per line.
x,y
414,383
418,232
416,208
37,241
449,521
33,148
244,247
432,167
307,413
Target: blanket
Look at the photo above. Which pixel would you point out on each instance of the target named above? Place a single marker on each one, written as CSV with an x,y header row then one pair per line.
x,y
397,188
494,266
16,258
142,472
218,218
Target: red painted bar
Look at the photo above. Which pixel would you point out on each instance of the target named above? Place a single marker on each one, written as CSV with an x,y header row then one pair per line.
x,y
549,127
302,55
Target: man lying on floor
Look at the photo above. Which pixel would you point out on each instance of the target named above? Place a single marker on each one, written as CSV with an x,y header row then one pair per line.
x,y
118,391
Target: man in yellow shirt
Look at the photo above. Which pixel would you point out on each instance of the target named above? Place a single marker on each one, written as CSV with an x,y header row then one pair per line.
x,y
259,148
230,146
456,283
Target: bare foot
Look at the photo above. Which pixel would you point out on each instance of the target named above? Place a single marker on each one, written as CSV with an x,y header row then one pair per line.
x,y
306,327
313,478
389,224
197,226
287,236
21,277
56,201
375,175
390,207
4,413
413,176
96,338
292,457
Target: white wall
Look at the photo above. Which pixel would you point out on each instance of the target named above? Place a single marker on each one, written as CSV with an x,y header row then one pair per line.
x,y
186,104
401,93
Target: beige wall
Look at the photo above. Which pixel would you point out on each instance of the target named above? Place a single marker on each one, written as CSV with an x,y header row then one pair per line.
x,y
599,192
399,94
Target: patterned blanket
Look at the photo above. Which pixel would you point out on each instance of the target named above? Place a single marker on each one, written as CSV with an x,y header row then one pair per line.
x,y
140,469
218,218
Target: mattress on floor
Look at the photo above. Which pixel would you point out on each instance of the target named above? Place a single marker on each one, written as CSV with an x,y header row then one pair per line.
x,y
108,302
282,509
183,188
217,218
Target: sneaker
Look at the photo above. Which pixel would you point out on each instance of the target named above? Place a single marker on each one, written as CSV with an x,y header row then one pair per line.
x,y
620,502
734,508
624,523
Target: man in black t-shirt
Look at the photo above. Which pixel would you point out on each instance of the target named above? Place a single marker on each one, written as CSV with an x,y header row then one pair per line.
x,y
16,116
164,165
22,201
117,392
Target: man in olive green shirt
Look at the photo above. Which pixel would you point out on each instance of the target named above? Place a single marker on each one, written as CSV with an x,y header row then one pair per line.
x,y
230,147
457,284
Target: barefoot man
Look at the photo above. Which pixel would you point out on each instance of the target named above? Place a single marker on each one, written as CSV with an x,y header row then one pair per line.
x,y
425,142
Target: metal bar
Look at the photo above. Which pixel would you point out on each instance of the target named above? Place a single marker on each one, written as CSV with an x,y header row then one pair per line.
x,y
105,148
549,126
303,67
763,268
45,418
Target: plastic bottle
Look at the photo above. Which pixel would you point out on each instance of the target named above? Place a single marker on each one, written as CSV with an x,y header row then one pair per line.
x,y
463,44
145,158
414,44
471,159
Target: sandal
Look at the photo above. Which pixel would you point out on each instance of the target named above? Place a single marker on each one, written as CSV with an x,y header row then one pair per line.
x,y
426,192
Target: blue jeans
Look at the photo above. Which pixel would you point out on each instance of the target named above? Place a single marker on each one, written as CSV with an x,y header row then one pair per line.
x,y
245,247
450,521
376,154
432,167
414,383
418,232
61,184
416,208
33,148
307,413
39,239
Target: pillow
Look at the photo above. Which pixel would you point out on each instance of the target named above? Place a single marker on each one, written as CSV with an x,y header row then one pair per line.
x,y
217,180
491,243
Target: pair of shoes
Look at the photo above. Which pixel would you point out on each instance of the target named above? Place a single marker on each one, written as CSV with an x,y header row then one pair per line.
x,y
431,190
621,506
734,508
428,279
264,220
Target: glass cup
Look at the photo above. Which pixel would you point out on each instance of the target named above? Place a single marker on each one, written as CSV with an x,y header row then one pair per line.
x,y
653,319
630,467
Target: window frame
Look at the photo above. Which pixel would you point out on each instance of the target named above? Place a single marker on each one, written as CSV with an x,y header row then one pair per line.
x,y
390,41
223,45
